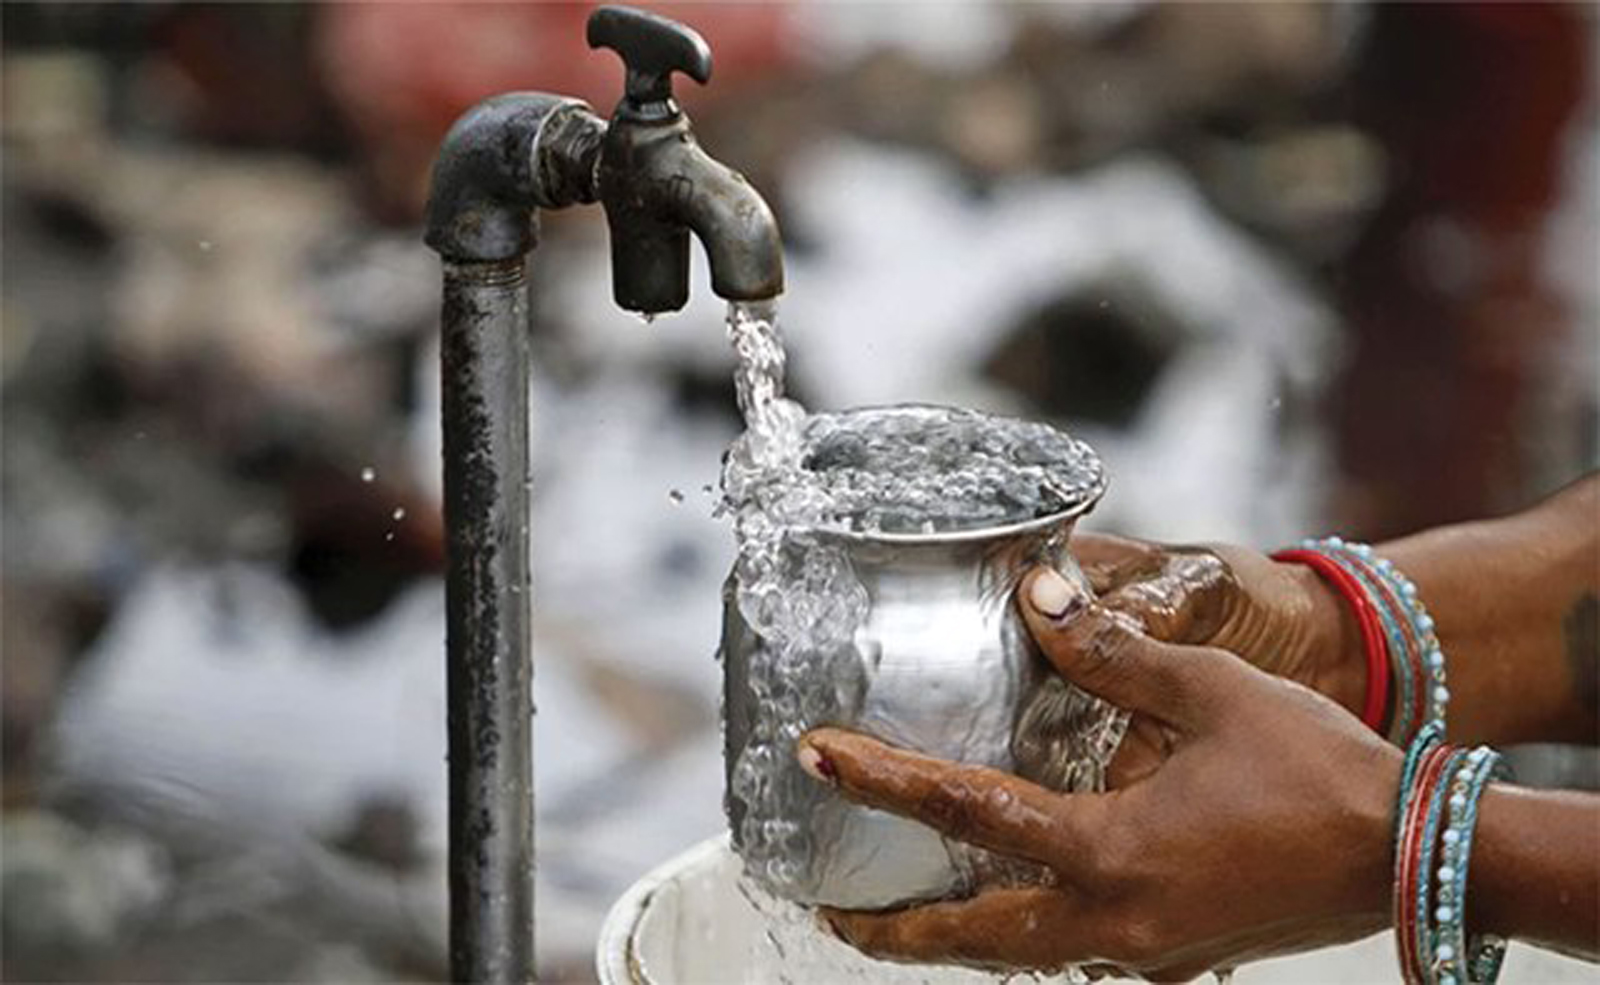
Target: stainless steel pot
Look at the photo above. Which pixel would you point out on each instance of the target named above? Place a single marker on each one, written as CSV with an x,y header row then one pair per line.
x,y
942,664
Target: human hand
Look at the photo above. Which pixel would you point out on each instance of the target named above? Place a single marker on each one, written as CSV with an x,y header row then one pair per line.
x,y
1263,829
1281,617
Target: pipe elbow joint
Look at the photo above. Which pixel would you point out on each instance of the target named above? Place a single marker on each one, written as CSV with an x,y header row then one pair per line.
x,y
504,159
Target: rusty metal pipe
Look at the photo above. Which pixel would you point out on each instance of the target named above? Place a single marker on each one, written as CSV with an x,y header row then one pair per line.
x,y
489,676
503,161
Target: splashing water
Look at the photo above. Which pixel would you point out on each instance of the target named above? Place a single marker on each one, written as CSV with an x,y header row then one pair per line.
x,y
800,596
885,472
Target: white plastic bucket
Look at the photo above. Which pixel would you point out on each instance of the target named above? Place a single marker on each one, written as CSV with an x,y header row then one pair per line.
x,y
687,923
690,897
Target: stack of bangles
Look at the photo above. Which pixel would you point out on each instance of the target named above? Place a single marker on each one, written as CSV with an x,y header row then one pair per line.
x,y
1396,633
1440,785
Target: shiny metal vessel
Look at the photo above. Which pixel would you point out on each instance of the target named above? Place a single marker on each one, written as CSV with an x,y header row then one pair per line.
x,y
947,668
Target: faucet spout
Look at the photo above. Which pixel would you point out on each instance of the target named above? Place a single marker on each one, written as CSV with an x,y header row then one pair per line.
x,y
734,225
658,185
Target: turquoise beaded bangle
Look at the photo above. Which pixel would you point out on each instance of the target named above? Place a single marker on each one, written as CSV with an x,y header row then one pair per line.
x,y
1436,696
1431,735
1458,962
1430,837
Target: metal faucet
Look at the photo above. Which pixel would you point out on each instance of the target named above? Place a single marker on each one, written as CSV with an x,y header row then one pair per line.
x,y
657,184
503,161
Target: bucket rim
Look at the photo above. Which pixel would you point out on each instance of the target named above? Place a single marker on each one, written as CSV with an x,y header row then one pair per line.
x,y
614,958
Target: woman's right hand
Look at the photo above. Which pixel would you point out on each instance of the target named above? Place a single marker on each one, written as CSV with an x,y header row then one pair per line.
x,y
1281,617
1261,825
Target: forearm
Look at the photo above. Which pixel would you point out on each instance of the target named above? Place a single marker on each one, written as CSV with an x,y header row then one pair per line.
x,y
1535,873
1514,602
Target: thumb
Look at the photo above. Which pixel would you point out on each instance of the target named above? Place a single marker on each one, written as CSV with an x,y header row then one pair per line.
x,y
1103,651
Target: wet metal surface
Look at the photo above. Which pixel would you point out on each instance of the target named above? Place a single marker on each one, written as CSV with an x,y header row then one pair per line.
x,y
492,170
484,353
501,162
657,184
948,670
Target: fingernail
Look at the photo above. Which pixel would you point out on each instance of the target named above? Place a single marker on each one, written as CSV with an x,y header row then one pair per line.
x,y
816,764
1053,596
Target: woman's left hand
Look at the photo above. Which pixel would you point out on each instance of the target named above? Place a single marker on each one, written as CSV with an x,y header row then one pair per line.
x,y
1264,828
1280,617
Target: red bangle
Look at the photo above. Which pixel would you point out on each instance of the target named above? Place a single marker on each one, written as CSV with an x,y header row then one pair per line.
x,y
1414,664
1408,861
1372,638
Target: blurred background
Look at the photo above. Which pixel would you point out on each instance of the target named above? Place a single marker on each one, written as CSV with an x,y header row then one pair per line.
x,y
1291,268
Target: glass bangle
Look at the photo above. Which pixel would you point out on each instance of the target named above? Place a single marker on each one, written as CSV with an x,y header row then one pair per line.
x,y
1410,919
1430,838
1458,960
1416,659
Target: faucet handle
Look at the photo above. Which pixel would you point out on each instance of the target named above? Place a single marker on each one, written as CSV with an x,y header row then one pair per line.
x,y
652,47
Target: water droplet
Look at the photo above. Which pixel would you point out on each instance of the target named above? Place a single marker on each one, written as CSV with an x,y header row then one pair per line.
x,y
648,317
389,535
368,474
399,513
676,495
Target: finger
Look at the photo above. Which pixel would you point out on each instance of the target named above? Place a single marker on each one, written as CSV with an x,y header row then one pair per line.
x,y
1146,745
1032,928
1108,561
1104,653
1186,603
1109,551
1101,580
974,804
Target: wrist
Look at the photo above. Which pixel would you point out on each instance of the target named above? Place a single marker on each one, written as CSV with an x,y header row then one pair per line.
x,y
1370,866
1335,659
1533,875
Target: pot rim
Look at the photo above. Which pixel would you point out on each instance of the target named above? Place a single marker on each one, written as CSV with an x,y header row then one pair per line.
x,y
968,535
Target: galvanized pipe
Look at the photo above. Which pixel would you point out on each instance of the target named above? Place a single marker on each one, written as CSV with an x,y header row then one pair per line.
x,y
484,363
504,160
